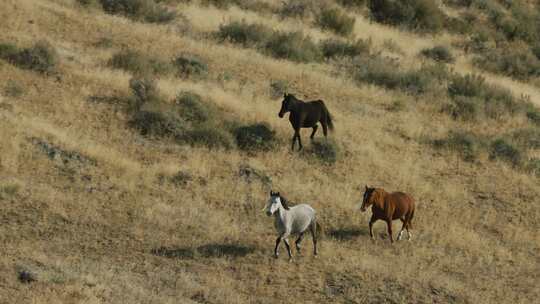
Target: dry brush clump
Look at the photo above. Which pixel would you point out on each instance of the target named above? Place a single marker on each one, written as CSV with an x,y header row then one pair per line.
x,y
422,15
41,57
140,64
439,53
336,20
140,10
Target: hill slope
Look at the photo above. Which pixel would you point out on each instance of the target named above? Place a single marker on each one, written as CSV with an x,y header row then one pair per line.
x,y
102,213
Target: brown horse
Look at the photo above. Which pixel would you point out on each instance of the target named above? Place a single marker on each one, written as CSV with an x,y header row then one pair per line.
x,y
388,207
305,115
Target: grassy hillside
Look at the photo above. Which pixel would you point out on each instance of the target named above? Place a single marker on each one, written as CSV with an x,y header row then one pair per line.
x,y
140,142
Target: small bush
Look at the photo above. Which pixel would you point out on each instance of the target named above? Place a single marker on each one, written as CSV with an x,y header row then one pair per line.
x,y
8,51
533,166
41,57
278,88
193,109
422,15
386,73
438,53
144,90
189,66
503,150
141,10
255,137
336,20
294,46
333,48
466,108
470,85
526,138
211,136
464,143
296,8
534,116
138,63
325,151
13,89
247,34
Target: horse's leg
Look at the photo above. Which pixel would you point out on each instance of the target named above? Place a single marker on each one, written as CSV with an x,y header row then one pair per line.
x,y
276,253
297,132
371,222
313,230
315,127
286,241
403,227
389,224
293,141
298,241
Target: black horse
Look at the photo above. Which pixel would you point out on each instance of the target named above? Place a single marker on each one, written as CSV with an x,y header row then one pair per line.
x,y
305,115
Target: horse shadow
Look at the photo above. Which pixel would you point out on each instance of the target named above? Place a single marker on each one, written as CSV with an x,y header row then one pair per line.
x,y
347,234
205,251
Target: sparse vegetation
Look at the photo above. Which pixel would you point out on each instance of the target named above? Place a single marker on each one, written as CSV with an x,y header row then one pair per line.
x,y
139,64
333,48
246,34
336,20
144,193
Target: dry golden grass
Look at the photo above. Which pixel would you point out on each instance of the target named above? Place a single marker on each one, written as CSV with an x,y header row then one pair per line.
x,y
115,229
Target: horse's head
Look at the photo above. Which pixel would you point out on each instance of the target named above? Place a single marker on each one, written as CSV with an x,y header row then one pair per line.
x,y
285,104
371,196
273,203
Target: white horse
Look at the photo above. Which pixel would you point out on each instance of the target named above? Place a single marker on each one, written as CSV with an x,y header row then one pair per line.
x,y
291,221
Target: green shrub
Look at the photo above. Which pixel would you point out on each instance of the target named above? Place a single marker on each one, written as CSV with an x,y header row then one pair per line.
x,y
247,34
535,49
334,48
255,137
293,46
336,20
40,57
326,151
438,53
465,3
422,15
189,66
466,144
141,10
503,150
139,64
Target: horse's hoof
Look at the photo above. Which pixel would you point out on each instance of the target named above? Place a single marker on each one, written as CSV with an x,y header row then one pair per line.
x,y
275,256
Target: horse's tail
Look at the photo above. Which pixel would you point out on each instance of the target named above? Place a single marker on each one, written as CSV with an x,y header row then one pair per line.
x,y
328,117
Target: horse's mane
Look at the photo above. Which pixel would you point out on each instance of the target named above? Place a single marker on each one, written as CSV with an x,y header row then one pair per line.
x,y
284,202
